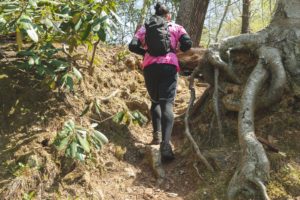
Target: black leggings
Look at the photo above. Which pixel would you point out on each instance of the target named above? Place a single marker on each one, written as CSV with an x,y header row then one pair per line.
x,y
163,118
161,82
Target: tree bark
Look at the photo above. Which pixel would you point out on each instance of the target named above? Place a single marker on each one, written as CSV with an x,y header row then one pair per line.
x,y
191,15
246,17
277,59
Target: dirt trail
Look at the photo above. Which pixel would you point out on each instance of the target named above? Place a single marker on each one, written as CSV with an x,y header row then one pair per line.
x,y
31,115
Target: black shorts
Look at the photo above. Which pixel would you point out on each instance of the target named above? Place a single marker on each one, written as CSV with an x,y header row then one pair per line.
x,y
161,82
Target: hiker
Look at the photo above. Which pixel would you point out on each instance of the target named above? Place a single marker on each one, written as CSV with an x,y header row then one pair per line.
x,y
157,41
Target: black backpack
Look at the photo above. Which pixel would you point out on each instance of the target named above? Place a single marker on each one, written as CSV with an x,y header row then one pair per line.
x,y
157,36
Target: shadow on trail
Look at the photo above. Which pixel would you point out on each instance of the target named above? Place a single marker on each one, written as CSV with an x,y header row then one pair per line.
x,y
26,108
180,179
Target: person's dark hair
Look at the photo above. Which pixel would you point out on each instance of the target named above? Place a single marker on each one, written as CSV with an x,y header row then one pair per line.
x,y
160,9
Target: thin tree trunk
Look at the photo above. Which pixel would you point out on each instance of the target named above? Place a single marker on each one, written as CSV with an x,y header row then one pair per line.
x,y
245,16
222,20
143,14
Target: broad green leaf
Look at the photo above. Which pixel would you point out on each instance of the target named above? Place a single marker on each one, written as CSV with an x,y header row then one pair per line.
x,y
82,131
33,3
96,142
84,143
76,18
41,69
100,136
63,143
55,3
26,53
77,73
73,149
32,34
97,106
101,34
59,65
85,110
87,32
31,61
118,117
2,20
68,152
52,85
64,133
68,82
80,156
47,22
97,27
70,125
78,25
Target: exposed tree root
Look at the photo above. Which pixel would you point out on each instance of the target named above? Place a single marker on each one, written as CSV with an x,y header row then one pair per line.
x,y
186,122
277,48
249,42
215,60
272,59
216,105
255,167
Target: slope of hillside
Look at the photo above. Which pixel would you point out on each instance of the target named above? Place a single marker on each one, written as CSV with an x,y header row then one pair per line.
x,y
32,114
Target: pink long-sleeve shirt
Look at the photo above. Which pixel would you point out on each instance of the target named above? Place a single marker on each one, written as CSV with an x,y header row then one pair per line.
x,y
176,31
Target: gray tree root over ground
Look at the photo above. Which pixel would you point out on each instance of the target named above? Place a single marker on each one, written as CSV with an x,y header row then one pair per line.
x,y
277,48
279,41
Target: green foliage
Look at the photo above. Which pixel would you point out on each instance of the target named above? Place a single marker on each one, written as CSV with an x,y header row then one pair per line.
x,y
19,169
47,24
29,196
128,117
121,55
94,105
78,142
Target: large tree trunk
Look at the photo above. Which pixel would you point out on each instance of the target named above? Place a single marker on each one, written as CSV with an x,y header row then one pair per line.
x,y
191,15
256,85
246,16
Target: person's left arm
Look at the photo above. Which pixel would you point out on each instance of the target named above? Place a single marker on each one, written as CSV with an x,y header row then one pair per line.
x,y
184,39
136,45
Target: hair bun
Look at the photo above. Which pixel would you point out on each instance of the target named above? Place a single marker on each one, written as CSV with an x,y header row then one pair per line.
x,y
160,9
157,6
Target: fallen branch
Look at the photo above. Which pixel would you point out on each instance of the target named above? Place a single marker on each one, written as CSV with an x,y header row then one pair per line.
x,y
113,94
270,146
197,170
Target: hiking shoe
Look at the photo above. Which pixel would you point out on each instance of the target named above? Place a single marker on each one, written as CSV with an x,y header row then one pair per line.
x,y
156,138
166,152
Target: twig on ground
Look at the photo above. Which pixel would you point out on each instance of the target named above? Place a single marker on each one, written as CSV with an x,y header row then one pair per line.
x,y
197,170
113,94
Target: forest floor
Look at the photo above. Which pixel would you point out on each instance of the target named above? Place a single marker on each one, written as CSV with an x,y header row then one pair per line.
x,y
32,114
